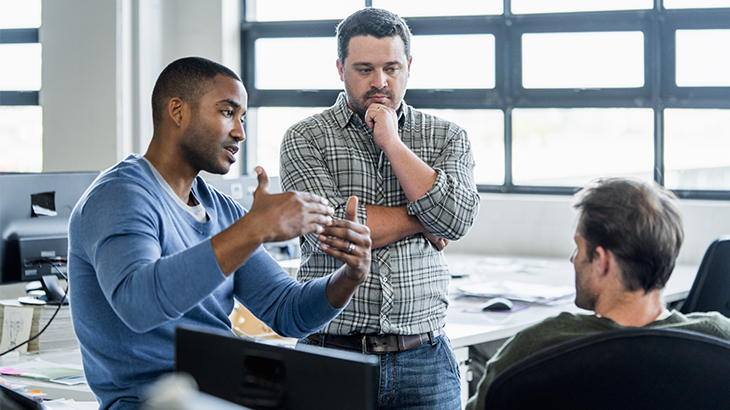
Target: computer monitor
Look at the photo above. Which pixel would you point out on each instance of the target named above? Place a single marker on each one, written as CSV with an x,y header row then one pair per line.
x,y
266,377
34,213
12,400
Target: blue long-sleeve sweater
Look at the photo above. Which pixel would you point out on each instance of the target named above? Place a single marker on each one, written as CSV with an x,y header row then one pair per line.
x,y
140,266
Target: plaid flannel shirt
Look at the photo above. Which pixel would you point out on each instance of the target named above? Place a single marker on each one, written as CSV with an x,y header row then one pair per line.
x,y
333,154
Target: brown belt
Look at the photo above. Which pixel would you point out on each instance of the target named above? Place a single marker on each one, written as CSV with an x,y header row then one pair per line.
x,y
375,343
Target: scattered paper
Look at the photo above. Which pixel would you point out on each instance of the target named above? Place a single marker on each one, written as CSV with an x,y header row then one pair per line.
x,y
41,370
526,292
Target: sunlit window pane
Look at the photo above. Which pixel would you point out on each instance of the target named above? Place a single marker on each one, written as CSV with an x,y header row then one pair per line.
x,y
21,133
306,63
571,147
288,10
695,4
20,67
486,134
701,59
20,13
567,6
473,54
271,124
696,147
583,60
411,8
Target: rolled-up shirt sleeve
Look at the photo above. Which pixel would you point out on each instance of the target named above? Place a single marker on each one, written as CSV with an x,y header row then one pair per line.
x,y
449,208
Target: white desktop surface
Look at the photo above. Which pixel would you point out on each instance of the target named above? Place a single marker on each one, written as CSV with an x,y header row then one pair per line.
x,y
80,392
469,328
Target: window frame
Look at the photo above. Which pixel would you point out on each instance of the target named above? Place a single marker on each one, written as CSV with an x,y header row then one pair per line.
x,y
19,36
659,91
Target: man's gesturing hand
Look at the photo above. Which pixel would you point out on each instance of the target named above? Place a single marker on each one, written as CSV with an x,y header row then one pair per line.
x,y
349,242
290,214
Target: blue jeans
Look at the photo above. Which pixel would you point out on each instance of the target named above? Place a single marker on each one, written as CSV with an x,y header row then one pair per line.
x,y
426,377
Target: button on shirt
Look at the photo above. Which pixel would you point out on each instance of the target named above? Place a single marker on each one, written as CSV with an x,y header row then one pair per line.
x,y
333,154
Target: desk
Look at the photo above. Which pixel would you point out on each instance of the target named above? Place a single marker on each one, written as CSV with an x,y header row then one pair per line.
x,y
79,393
467,329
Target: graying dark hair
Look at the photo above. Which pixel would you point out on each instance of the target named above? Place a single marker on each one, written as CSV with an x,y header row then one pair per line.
x,y
374,22
639,222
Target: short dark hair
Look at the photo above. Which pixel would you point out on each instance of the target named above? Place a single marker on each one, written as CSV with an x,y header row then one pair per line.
x,y
186,78
374,22
639,222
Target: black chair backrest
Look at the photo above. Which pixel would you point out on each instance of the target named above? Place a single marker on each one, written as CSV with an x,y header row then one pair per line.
x,y
624,369
711,288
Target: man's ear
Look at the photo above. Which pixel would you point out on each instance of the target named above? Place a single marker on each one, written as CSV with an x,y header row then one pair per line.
x,y
603,260
176,110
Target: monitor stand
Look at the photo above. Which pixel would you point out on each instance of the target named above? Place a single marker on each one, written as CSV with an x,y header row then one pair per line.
x,y
53,290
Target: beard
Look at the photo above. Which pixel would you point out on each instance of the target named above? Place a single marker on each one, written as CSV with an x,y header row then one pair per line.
x,y
584,298
202,150
360,105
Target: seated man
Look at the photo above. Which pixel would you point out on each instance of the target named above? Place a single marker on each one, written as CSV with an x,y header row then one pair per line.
x,y
153,247
627,240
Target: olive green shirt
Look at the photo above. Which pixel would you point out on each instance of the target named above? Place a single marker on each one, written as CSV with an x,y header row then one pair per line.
x,y
568,326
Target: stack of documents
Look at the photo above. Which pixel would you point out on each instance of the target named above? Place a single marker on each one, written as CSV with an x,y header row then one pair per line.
x,y
58,335
525,292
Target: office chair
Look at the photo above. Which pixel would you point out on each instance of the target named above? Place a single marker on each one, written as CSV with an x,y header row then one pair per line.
x,y
711,288
624,369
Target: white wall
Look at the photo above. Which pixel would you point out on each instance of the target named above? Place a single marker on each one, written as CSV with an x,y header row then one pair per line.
x,y
100,61
543,225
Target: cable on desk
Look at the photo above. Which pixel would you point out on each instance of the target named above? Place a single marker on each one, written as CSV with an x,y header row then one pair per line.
x,y
51,262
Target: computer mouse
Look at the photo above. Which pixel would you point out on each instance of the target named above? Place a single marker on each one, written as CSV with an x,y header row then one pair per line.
x,y
497,304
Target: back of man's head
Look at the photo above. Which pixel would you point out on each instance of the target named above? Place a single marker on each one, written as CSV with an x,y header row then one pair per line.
x,y
186,78
639,222
371,21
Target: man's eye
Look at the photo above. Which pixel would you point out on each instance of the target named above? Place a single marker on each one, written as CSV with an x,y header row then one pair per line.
x,y
227,113
243,120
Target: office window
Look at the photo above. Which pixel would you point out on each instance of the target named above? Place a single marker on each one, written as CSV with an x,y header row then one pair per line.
x,y
583,60
20,14
422,8
697,143
486,134
571,147
701,59
288,10
21,130
20,67
695,4
297,63
463,61
552,93
568,6
21,118
271,124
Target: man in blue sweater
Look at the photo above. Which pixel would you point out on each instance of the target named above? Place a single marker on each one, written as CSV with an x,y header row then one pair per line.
x,y
153,247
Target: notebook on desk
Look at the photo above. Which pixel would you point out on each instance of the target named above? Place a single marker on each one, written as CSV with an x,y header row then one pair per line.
x,y
263,377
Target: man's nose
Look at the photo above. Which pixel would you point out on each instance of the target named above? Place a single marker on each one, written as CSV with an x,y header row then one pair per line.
x,y
238,133
380,79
